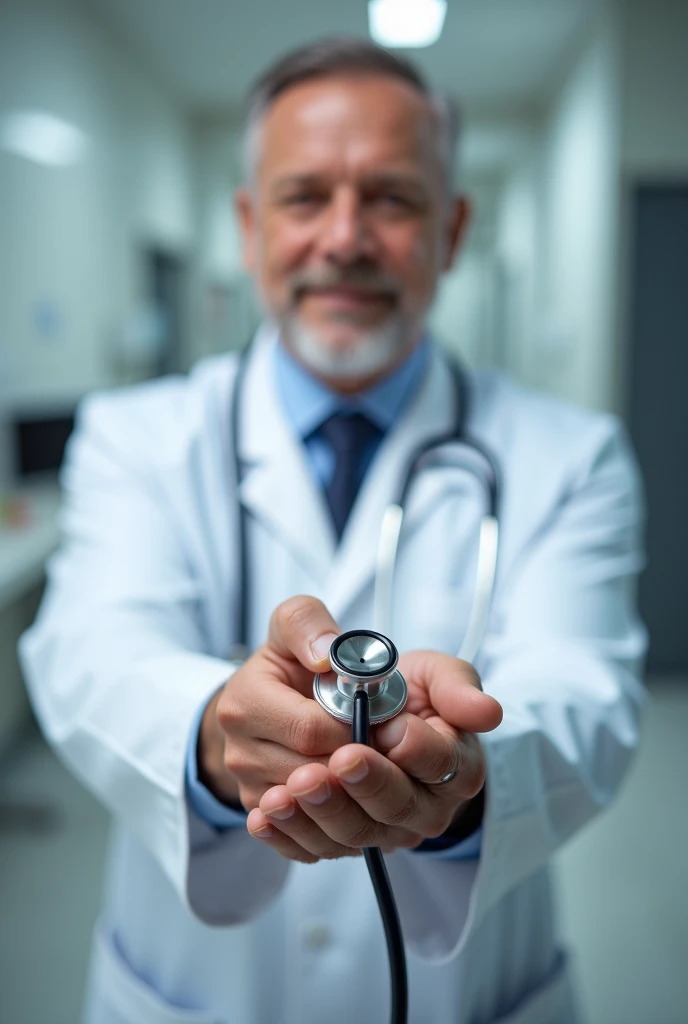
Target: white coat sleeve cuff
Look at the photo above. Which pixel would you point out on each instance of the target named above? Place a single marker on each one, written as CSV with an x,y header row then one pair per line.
x,y
467,849
202,802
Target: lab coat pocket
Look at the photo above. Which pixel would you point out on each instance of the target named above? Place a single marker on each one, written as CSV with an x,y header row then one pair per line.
x,y
550,1003
115,995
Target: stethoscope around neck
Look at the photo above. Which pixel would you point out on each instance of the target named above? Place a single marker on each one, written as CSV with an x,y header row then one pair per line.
x,y
365,687
476,460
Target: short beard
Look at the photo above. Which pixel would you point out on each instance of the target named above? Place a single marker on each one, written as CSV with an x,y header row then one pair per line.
x,y
373,351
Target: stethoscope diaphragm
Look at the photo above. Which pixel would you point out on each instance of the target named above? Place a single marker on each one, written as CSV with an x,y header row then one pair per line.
x,y
362,660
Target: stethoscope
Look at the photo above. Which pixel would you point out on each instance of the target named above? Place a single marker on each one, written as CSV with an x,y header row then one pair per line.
x,y
365,687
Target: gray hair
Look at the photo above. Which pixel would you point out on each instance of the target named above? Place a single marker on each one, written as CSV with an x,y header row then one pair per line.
x,y
343,55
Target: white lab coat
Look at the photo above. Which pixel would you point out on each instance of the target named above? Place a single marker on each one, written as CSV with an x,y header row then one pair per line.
x,y
203,927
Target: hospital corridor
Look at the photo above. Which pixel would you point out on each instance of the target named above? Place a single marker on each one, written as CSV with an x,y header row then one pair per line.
x,y
343,368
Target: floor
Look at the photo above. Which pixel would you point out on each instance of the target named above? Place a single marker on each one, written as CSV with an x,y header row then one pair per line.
x,y
623,883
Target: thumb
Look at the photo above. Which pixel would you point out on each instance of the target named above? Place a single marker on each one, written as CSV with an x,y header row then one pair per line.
x,y
452,688
301,629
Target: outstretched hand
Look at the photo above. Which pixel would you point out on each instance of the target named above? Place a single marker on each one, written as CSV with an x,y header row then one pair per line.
x,y
386,795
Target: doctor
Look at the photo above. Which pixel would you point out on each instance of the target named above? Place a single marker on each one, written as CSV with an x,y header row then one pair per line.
x,y
213,915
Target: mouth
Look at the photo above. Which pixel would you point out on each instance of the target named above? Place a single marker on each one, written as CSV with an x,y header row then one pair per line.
x,y
347,296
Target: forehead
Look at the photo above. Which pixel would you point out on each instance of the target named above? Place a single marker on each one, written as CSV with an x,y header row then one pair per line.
x,y
353,121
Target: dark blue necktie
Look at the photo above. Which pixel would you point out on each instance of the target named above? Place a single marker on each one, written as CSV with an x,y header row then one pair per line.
x,y
350,435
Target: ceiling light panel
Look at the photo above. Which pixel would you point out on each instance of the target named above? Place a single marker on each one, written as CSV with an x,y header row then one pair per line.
x,y
406,23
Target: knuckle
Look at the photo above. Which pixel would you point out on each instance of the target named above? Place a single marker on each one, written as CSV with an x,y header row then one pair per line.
x,y
376,789
404,812
366,834
440,764
294,613
227,713
306,734
233,761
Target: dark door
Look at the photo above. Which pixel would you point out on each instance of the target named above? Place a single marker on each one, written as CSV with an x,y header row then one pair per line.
x,y
166,289
658,411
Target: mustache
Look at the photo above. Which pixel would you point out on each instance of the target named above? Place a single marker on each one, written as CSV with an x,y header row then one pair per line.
x,y
364,279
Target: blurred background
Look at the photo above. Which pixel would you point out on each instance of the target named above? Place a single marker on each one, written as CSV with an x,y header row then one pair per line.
x,y
119,261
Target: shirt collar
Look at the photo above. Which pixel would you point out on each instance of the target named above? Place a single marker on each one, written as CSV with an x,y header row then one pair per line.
x,y
307,402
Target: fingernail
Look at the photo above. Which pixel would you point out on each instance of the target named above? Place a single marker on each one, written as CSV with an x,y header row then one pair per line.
x,y
281,813
317,795
264,832
391,733
320,648
354,772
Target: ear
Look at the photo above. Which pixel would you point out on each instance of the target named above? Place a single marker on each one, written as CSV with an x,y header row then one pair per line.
x,y
458,221
246,216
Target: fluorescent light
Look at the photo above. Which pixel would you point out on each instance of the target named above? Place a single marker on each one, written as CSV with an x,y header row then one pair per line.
x,y
406,23
43,138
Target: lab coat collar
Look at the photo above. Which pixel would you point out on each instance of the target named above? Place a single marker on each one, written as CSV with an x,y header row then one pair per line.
x,y
279,489
278,486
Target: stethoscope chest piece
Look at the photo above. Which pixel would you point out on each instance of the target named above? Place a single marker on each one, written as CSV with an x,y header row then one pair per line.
x,y
362,660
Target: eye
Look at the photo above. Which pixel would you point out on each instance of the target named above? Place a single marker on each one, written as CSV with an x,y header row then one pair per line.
x,y
395,200
301,200
394,203
391,199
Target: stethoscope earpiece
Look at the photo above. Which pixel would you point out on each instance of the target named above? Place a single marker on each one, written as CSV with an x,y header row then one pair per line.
x,y
362,660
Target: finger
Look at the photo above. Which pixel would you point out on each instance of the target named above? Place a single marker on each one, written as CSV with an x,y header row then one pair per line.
x,y
452,688
257,765
333,811
301,629
272,711
388,794
430,750
285,814
261,828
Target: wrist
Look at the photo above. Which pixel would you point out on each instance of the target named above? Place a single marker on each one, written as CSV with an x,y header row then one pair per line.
x,y
210,763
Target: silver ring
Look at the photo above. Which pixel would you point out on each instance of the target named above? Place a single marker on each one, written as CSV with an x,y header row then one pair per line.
x,y
452,774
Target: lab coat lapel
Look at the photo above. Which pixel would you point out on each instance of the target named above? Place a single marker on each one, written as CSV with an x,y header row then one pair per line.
x,y
278,487
431,413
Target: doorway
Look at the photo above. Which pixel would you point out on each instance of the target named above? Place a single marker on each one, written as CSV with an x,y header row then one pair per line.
x,y
658,410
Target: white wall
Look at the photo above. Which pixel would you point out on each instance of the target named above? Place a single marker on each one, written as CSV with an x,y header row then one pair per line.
x,y
581,224
463,315
218,263
558,231
519,263
69,272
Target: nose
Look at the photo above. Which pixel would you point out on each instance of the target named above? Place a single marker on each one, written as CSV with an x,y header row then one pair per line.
x,y
345,237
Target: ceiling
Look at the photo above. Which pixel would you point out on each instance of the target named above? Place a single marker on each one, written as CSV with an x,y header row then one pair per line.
x,y
496,56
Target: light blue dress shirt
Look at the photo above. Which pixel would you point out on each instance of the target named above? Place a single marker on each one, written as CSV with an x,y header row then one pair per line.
x,y
307,403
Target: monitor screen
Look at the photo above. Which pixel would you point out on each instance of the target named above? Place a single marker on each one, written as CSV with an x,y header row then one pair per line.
x,y
39,443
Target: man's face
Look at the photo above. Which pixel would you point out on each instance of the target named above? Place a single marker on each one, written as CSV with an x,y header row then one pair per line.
x,y
348,225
